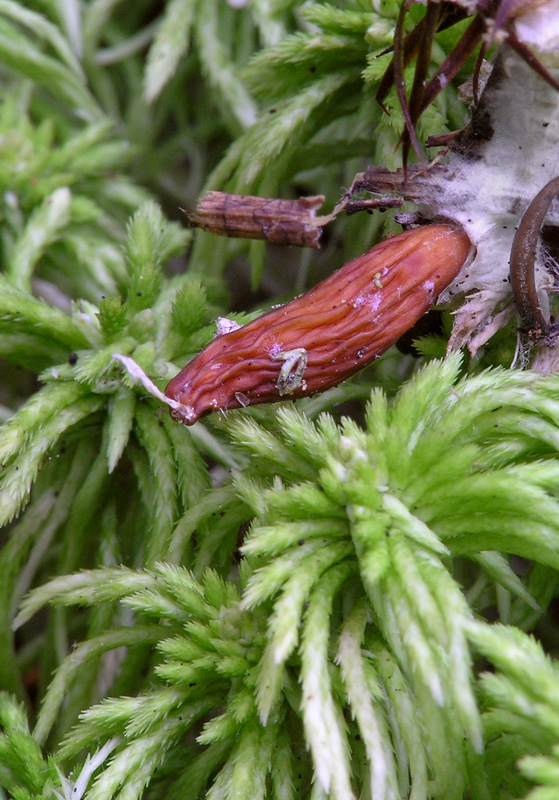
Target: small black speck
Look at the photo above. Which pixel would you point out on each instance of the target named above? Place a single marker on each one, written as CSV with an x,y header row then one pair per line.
x,y
272,111
138,294
313,69
505,227
520,147
543,165
545,124
301,542
72,359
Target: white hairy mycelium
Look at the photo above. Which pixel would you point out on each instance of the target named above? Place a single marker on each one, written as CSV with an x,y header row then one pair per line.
x,y
491,173
488,191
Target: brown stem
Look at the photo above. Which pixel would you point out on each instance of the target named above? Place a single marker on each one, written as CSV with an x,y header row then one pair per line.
x,y
523,262
449,16
431,22
400,84
526,54
454,61
410,46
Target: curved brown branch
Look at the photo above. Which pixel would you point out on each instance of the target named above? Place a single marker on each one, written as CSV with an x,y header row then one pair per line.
x,y
523,260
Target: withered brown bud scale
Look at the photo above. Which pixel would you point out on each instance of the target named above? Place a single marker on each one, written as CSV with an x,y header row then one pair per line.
x,y
247,217
322,337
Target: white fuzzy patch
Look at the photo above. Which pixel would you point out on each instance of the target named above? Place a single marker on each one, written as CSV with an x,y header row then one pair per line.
x,y
224,325
429,287
489,194
371,300
539,27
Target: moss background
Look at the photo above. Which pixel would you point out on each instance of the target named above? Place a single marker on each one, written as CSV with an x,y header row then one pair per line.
x,y
332,599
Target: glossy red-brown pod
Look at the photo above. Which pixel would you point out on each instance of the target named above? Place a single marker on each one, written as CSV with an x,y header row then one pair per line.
x,y
327,334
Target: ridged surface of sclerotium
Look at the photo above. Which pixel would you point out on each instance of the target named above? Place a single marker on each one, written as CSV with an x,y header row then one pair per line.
x,y
327,334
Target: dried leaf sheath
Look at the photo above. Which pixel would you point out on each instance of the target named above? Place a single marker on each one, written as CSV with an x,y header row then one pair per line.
x,y
246,217
324,336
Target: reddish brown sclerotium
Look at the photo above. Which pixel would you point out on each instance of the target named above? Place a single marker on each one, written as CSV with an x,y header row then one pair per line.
x,y
327,334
